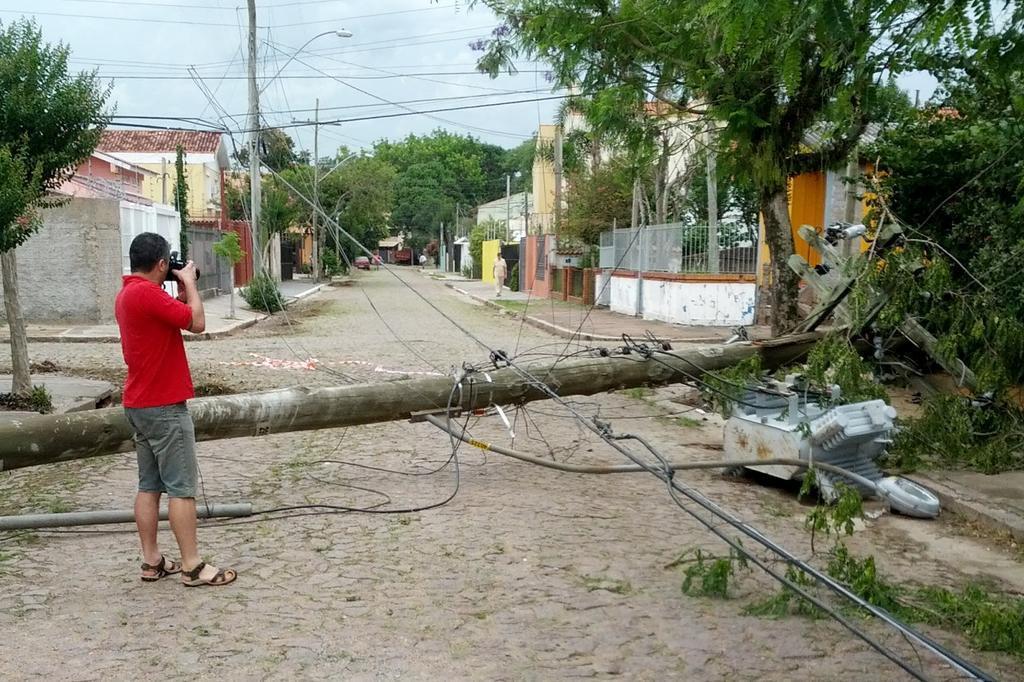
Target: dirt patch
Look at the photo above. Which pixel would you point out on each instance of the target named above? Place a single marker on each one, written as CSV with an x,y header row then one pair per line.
x,y
292,318
209,388
44,367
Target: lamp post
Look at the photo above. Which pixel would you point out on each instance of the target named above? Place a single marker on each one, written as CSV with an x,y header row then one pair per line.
x,y
255,194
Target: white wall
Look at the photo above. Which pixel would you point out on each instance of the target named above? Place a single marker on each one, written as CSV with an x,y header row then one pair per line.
x,y
602,288
623,295
714,304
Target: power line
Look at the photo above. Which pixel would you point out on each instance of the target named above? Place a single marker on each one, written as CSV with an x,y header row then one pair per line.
x,y
150,20
408,110
321,76
204,6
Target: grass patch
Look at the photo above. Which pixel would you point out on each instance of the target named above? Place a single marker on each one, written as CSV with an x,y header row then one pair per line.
x,y
514,306
639,393
38,400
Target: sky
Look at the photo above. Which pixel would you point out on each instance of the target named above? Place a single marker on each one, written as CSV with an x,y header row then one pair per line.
x,y
404,51
413,52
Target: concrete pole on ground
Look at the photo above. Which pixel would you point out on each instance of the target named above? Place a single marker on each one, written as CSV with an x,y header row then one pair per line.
x,y
44,439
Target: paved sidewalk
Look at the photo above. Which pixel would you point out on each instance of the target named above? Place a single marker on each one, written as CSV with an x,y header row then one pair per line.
x,y
995,501
69,394
218,322
596,324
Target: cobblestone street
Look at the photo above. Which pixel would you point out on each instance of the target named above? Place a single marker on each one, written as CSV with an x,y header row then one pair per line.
x,y
526,573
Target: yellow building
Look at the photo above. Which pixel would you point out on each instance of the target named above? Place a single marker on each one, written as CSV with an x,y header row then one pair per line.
x,y
542,218
206,159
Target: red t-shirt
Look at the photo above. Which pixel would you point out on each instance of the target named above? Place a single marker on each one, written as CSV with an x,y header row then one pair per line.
x,y
150,320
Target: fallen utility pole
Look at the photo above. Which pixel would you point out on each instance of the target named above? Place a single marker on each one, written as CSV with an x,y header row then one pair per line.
x,y
91,518
45,439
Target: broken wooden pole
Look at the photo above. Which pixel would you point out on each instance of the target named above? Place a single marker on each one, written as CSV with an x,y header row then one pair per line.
x,y
45,439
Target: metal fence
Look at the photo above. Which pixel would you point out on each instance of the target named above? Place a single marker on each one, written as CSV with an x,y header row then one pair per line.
x,y
214,273
679,248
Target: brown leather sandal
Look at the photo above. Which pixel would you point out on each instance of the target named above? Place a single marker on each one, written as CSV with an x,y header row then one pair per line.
x,y
222,577
163,569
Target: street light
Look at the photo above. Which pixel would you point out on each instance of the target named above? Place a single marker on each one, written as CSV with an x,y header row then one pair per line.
x,y
255,190
341,33
338,165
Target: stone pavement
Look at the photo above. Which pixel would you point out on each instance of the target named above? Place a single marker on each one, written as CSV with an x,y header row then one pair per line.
x,y
589,324
218,320
525,574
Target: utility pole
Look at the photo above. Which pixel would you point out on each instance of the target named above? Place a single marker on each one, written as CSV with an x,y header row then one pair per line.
x,y
440,248
163,181
508,206
43,439
558,179
255,194
712,163
316,191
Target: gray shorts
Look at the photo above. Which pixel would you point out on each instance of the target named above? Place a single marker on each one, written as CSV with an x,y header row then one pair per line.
x,y
165,442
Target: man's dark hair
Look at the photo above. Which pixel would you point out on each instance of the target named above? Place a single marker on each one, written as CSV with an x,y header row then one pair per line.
x,y
146,251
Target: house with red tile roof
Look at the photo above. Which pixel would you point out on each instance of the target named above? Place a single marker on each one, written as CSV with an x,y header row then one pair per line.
x,y
206,159
104,176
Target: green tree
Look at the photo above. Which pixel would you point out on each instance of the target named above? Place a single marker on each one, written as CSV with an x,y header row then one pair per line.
x,y
601,198
278,212
277,151
229,248
437,173
477,237
770,72
181,199
953,174
50,121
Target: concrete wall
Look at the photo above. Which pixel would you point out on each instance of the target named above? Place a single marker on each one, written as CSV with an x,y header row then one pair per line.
x,y
487,255
710,303
70,271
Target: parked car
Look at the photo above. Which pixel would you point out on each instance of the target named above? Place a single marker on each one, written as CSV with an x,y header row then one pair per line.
x,y
364,262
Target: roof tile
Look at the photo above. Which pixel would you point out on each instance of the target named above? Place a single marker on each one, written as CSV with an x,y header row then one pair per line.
x,y
195,141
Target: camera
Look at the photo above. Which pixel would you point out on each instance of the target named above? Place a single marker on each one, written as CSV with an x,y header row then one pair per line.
x,y
176,263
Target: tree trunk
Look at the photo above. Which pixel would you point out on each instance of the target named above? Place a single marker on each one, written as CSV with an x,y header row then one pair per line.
x,y
778,233
22,384
635,218
712,185
661,185
232,296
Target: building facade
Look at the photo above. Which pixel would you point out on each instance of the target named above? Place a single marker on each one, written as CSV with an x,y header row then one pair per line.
x,y
206,160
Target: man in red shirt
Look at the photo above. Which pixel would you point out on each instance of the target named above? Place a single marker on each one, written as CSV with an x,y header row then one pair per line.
x,y
158,384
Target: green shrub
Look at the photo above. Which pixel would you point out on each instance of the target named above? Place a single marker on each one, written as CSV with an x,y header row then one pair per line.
x,y
513,278
332,265
40,400
263,294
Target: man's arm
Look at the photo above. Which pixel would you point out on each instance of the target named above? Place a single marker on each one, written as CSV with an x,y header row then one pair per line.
x,y
187,277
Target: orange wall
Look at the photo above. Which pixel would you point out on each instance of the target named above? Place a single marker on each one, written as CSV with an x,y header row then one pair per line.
x,y
807,207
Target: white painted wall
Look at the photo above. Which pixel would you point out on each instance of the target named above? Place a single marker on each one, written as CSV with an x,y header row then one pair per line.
x,y
713,304
623,295
602,288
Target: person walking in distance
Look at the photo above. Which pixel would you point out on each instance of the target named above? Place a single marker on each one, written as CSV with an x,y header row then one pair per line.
x,y
500,271
158,384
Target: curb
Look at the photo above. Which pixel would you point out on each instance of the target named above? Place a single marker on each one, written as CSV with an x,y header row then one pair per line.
x,y
205,336
562,331
959,502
